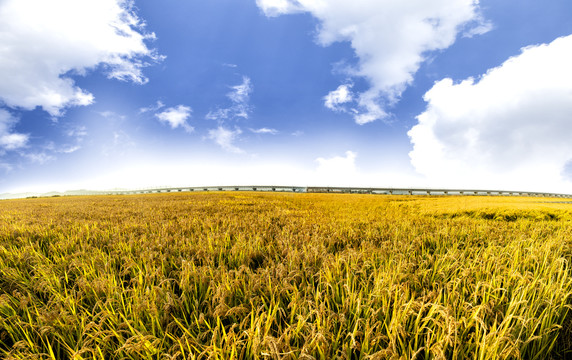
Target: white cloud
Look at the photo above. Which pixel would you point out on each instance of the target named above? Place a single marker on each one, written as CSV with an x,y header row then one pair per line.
x,y
13,141
8,139
338,170
338,97
218,114
510,128
6,167
279,7
78,132
121,145
44,43
239,96
69,149
39,157
240,109
176,117
265,131
391,38
483,27
225,138
159,105
241,93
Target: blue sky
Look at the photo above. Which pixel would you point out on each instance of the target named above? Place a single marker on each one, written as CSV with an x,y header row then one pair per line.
x,y
103,94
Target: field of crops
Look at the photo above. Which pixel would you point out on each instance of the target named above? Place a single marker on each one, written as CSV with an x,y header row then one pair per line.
x,y
267,276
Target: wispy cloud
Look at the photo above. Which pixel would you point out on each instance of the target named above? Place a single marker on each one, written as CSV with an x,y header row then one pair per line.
x,y
77,134
241,93
40,154
337,164
10,140
159,105
240,108
69,149
483,26
264,131
120,144
225,138
39,157
176,117
218,114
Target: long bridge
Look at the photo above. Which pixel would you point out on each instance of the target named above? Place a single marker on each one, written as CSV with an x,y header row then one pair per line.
x,y
338,190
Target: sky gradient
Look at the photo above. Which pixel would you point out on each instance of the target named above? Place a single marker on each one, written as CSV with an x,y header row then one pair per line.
x,y
107,94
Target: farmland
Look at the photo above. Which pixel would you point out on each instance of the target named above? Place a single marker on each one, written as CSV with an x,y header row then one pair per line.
x,y
235,275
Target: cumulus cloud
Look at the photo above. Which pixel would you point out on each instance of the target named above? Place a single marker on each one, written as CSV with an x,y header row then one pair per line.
x,y
10,140
44,43
176,117
336,98
225,138
510,128
265,131
391,38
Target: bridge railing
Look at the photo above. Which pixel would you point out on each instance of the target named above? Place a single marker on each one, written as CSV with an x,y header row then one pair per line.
x,y
343,190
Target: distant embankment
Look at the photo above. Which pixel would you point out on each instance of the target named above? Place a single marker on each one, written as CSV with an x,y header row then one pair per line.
x,y
328,189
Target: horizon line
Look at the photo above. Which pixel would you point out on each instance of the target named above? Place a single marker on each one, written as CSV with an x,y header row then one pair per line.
x,y
293,189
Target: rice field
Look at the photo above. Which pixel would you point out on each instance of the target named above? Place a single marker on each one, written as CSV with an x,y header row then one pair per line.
x,y
236,275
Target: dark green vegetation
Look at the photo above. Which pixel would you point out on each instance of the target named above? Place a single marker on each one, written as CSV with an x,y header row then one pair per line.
x,y
242,275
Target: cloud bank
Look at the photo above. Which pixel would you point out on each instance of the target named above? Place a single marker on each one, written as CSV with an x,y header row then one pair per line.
x,y
390,38
509,127
43,44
